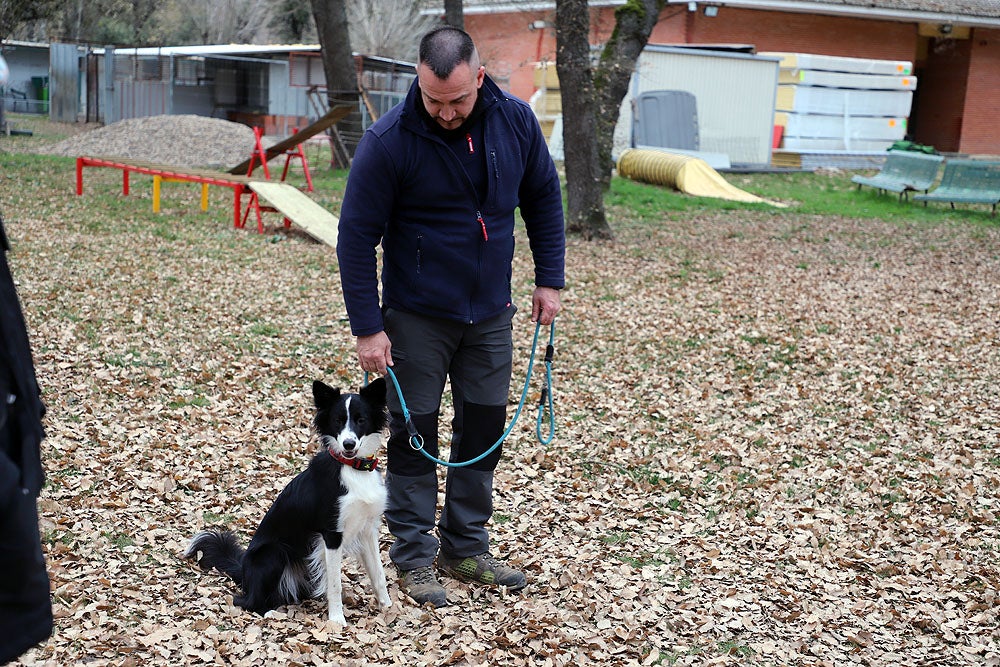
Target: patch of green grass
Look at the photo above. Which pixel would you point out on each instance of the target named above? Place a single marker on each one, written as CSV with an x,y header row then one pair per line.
x,y
646,559
806,193
119,540
737,648
266,330
211,518
196,400
620,537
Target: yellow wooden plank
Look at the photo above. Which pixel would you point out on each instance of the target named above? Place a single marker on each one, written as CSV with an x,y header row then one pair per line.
x,y
300,209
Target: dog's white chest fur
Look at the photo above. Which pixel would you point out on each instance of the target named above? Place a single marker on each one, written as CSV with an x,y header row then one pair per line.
x,y
362,506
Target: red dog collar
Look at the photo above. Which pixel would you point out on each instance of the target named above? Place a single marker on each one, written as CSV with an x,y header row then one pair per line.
x,y
366,465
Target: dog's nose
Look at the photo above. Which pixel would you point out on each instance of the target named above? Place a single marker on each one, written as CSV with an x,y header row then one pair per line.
x,y
350,444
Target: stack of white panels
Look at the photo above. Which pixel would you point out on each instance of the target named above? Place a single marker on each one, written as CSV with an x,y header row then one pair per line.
x,y
833,103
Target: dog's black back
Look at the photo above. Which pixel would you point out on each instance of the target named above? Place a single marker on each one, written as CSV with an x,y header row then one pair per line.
x,y
276,568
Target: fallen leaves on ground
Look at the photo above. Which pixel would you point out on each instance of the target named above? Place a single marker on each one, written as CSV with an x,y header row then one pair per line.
x,y
776,445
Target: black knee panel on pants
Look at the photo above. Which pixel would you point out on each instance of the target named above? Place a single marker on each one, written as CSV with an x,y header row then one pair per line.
x,y
481,427
403,459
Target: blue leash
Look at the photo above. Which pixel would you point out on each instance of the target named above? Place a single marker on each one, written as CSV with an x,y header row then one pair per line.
x,y
417,440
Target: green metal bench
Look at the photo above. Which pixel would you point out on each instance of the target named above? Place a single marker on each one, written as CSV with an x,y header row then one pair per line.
x,y
903,171
967,182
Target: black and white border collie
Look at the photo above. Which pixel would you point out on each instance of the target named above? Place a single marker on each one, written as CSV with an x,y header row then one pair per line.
x,y
331,508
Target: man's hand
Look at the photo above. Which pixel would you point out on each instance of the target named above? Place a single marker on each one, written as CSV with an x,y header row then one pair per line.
x,y
374,352
544,305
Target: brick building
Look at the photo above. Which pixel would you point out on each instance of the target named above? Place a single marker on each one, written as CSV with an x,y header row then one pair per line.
x,y
954,46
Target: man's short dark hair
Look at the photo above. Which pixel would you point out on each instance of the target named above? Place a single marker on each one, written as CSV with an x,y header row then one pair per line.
x,y
444,48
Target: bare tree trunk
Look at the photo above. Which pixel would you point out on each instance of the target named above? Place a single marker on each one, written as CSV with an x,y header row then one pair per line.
x,y
591,99
335,45
634,21
584,188
453,15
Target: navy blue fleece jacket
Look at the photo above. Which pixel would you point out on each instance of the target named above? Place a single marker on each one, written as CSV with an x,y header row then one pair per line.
x,y
447,251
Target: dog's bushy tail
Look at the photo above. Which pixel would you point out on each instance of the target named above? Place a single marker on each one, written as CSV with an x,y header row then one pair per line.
x,y
218,548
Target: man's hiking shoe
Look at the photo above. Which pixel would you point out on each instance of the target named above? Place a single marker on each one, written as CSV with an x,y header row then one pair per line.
x,y
483,569
421,585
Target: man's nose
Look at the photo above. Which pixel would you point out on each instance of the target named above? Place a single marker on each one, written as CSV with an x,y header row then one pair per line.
x,y
447,113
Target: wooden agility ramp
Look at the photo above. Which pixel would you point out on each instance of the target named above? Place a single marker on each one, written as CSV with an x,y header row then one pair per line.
x,y
328,120
297,207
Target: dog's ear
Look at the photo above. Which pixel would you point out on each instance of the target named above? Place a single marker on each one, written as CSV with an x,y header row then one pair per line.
x,y
323,394
374,392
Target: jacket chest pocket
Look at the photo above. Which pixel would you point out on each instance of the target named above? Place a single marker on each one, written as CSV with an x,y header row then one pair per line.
x,y
504,181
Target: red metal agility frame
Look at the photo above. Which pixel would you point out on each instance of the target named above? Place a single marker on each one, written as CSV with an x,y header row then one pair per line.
x,y
299,154
259,156
239,184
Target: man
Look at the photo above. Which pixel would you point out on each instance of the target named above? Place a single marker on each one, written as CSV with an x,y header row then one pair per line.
x,y
25,609
436,181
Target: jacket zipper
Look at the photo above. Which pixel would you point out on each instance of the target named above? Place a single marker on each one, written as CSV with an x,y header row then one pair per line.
x,y
482,225
475,197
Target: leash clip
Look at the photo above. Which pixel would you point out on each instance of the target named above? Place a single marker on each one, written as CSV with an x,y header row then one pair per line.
x,y
416,440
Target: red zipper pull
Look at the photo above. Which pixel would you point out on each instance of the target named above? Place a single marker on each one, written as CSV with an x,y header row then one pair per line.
x,y
468,138
482,223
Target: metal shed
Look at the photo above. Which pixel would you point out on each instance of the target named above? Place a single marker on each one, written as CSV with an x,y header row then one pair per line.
x,y
735,94
276,87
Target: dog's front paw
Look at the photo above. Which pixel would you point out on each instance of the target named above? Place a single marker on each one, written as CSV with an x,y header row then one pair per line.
x,y
384,601
338,619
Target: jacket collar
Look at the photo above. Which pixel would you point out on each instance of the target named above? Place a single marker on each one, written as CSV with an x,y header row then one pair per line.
x,y
412,118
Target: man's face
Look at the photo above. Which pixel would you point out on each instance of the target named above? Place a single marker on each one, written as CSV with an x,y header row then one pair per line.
x,y
450,101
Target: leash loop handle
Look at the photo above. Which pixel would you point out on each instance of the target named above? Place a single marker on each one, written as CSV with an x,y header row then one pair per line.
x,y
546,399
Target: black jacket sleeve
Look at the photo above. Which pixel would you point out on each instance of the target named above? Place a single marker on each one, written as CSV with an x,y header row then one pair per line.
x,y
21,408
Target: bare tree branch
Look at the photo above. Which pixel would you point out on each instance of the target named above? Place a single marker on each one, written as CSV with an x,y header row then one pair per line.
x,y
591,100
388,29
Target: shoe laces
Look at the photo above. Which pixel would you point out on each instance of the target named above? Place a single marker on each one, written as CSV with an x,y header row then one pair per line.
x,y
422,575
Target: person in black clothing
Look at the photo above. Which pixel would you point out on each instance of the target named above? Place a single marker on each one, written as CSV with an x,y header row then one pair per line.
x,y
25,606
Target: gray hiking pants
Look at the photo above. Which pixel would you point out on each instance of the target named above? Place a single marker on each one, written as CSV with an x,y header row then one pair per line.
x,y
477,358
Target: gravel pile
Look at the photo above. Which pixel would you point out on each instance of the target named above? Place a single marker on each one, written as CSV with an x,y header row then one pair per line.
x,y
190,141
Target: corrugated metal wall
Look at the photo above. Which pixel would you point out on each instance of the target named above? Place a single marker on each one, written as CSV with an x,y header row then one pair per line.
x,y
735,95
142,87
64,82
112,86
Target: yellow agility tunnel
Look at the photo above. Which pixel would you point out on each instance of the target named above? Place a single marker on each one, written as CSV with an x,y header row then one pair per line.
x,y
690,175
